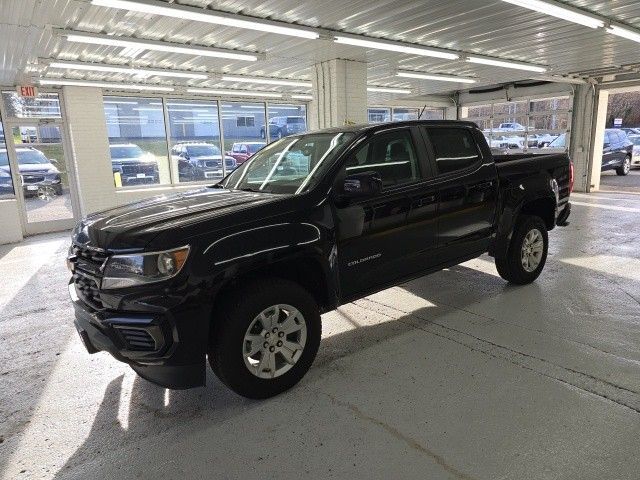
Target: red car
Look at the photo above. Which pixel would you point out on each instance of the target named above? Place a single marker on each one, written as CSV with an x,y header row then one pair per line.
x,y
244,151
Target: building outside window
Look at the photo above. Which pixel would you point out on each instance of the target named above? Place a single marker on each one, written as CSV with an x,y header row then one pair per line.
x,y
286,120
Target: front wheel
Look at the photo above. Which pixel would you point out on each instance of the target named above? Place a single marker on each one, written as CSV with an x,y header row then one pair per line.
x,y
526,254
265,338
625,168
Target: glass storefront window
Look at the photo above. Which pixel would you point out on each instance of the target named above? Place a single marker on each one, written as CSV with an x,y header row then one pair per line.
x,y
286,120
196,153
379,115
45,105
526,125
432,114
401,114
6,183
137,141
243,128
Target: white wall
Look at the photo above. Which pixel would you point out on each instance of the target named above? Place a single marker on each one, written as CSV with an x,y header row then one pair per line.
x,y
10,226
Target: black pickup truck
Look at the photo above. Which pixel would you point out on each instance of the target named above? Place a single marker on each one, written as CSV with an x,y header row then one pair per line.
x,y
240,271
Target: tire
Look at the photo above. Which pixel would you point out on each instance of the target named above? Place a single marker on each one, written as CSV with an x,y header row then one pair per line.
x,y
510,264
241,311
58,190
625,168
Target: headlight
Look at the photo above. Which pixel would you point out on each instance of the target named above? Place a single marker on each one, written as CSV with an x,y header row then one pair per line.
x,y
139,269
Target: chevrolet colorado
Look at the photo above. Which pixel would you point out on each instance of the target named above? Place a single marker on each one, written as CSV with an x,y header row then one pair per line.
x,y
239,272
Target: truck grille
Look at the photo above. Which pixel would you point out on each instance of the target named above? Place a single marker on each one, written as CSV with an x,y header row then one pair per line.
x,y
137,339
134,169
88,274
212,163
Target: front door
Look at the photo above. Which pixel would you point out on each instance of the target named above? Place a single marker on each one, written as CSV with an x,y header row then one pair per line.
x,y
375,239
37,153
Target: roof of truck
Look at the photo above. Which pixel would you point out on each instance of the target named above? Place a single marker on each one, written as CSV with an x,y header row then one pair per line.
x,y
359,128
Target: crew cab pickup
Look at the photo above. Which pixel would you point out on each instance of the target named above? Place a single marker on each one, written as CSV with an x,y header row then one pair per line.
x,y
239,272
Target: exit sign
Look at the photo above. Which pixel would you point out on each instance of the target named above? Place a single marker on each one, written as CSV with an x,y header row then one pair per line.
x,y
28,91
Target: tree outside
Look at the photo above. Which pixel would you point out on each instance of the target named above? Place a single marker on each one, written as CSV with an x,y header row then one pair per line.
x,y
625,106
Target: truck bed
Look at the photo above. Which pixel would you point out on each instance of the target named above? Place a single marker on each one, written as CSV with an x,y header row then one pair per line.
x,y
517,167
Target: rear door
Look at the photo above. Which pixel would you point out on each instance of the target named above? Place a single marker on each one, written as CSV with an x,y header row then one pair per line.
x,y
467,190
375,240
608,152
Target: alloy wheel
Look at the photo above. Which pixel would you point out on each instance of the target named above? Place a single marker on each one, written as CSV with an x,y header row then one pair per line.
x,y
532,249
274,341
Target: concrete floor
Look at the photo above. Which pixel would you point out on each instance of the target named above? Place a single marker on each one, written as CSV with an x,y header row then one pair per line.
x,y
455,375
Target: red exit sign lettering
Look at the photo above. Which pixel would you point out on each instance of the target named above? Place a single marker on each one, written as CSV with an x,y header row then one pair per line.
x,y
27,91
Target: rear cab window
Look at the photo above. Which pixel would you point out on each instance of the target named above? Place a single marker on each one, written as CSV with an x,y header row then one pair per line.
x,y
454,148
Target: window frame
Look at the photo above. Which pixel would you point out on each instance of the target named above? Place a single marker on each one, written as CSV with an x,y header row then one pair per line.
x,y
424,129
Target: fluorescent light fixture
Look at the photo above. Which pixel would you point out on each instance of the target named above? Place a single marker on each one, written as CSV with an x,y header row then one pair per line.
x,y
209,16
624,33
388,90
435,76
391,46
233,93
129,42
266,81
558,10
112,86
302,97
97,67
506,64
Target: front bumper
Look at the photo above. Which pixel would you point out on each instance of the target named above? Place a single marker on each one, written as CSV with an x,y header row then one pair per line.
x,y
150,343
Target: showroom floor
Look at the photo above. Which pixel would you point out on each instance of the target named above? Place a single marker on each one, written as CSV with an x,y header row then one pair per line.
x,y
455,375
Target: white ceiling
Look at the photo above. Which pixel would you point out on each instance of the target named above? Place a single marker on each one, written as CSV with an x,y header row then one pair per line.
x,y
488,27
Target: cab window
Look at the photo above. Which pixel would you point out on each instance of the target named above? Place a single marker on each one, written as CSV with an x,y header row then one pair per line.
x,y
392,155
454,148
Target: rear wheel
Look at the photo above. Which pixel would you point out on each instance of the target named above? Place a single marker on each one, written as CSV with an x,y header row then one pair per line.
x,y
526,254
625,168
265,338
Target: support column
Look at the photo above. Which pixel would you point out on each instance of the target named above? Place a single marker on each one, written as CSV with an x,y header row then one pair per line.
x,y
339,94
84,114
585,148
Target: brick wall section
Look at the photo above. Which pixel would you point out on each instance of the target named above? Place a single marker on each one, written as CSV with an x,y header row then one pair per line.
x,y
340,94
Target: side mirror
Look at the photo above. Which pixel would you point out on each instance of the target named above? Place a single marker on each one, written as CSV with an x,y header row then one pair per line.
x,y
53,160
362,185
607,144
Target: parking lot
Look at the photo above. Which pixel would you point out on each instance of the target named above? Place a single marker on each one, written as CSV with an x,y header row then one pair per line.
x,y
609,181
454,375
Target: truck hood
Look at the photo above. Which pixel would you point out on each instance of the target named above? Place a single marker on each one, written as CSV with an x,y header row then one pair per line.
x,y
37,168
134,225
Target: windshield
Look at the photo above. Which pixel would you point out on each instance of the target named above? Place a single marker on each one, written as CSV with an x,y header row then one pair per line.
x,y
126,151
203,150
635,140
31,157
295,119
290,165
559,141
